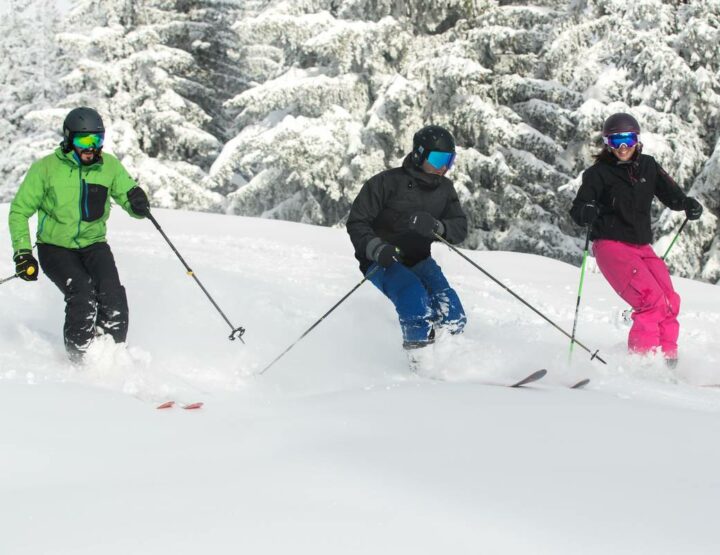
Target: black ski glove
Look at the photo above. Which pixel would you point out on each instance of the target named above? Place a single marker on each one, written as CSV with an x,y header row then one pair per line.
x,y
424,224
589,213
26,267
385,254
139,202
693,209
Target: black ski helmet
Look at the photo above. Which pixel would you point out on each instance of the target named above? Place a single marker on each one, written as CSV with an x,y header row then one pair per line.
x,y
620,123
429,138
80,120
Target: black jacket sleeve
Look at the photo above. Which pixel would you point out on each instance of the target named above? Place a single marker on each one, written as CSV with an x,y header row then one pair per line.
x,y
668,191
365,209
590,191
454,219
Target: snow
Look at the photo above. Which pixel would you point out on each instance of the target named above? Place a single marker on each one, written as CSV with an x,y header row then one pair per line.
x,y
338,448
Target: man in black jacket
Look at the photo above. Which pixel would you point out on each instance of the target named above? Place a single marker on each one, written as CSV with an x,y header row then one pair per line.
x,y
394,220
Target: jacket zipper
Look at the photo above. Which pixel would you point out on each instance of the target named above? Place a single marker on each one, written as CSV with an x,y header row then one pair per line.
x,y
86,194
633,188
41,225
82,190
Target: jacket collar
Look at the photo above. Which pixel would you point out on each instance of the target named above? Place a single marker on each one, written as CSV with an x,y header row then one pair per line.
x,y
613,160
626,171
70,158
423,179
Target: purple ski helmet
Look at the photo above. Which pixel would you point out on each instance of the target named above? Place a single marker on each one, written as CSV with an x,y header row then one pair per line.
x,y
620,123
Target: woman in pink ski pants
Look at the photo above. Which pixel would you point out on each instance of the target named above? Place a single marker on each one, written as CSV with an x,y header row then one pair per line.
x,y
615,199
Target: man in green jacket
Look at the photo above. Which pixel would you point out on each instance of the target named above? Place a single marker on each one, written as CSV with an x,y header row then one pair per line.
x,y
70,190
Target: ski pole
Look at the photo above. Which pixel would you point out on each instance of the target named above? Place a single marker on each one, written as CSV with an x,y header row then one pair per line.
x,y
236,333
337,304
664,256
8,278
30,271
523,301
582,279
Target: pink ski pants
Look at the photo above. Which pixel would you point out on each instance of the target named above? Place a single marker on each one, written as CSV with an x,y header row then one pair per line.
x,y
641,278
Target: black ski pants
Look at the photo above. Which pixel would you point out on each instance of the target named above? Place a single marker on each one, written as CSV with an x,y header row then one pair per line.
x,y
95,299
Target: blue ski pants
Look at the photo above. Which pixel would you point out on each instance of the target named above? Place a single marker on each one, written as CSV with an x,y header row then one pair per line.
x,y
422,297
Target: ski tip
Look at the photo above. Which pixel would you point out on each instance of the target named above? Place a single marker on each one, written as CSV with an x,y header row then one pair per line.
x,y
166,405
581,383
193,406
535,376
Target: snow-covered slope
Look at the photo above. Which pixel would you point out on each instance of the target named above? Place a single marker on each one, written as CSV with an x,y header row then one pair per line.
x,y
338,448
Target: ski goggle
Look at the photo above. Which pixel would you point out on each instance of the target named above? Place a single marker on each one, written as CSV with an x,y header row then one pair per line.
x,y
438,159
616,140
88,140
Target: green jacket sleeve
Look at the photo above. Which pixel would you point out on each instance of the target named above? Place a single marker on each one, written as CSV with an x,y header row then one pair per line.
x,y
27,201
122,183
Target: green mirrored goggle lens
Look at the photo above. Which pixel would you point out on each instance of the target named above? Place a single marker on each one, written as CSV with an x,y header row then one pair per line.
x,y
89,140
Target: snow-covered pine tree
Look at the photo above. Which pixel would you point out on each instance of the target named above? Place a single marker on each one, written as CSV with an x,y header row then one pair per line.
x,y
129,64
659,60
30,66
283,108
340,87
339,97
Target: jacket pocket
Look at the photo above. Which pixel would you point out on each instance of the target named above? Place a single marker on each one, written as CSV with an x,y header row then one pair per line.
x,y
93,201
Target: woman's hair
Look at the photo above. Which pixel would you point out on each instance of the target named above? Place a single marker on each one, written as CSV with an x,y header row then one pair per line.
x,y
604,155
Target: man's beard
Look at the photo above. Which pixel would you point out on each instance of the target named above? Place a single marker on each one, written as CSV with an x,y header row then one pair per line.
x,y
89,156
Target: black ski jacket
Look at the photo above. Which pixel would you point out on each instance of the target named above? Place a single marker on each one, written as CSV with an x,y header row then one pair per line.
x,y
624,194
383,207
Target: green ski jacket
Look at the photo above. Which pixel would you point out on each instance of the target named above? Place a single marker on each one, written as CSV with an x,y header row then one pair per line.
x,y
72,201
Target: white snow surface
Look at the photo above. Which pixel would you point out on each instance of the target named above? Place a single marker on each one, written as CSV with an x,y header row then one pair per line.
x,y
338,448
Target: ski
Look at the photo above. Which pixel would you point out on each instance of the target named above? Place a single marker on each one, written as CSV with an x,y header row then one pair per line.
x,y
189,406
535,376
579,385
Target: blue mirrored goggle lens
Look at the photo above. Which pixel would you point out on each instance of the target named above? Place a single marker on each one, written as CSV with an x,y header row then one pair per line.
x,y
439,159
619,139
88,140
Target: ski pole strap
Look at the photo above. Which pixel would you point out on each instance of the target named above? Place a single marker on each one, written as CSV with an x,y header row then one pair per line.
x,y
337,304
236,333
675,239
518,297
